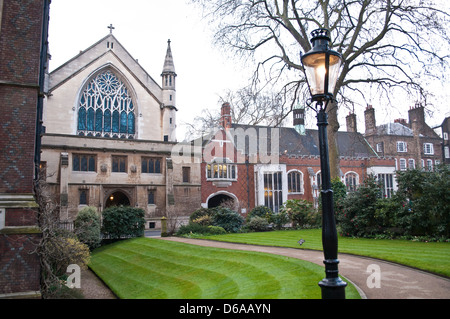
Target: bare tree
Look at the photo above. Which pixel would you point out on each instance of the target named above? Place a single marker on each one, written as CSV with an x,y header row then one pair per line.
x,y
57,248
247,107
387,45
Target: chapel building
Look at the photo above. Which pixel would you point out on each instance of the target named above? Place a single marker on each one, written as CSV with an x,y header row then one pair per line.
x,y
110,130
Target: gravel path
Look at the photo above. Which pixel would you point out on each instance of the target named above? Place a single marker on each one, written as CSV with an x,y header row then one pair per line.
x,y
93,288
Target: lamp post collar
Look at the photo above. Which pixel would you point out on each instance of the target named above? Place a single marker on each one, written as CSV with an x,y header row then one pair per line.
x,y
320,38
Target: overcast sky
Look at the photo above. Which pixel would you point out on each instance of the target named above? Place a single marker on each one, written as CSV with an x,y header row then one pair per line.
x,y
143,28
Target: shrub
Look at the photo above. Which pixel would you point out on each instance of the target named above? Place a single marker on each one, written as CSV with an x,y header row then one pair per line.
x,y
216,230
201,212
420,207
87,227
66,251
358,216
227,219
301,213
123,222
258,224
193,228
280,219
204,220
425,202
339,194
260,211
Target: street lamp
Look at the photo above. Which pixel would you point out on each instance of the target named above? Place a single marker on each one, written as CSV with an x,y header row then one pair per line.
x,y
322,67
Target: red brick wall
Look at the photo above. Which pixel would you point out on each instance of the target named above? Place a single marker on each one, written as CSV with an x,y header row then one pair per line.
x,y
20,217
20,50
19,266
243,191
20,41
17,134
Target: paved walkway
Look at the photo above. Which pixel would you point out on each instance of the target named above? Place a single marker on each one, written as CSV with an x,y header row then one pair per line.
x,y
397,282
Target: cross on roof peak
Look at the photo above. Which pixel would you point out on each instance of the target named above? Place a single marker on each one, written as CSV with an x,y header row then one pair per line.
x,y
111,28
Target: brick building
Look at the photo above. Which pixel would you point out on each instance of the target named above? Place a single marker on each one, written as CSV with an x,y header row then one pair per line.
x,y
257,165
23,43
412,143
445,131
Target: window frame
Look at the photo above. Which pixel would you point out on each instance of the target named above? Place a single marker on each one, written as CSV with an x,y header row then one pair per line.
x,y
428,149
413,162
387,180
156,167
299,184
151,196
221,171
273,190
106,107
89,164
351,187
404,147
429,165
121,159
86,197
403,164
186,174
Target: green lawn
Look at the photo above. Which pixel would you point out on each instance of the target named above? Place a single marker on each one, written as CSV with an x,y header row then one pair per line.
x,y
431,256
146,268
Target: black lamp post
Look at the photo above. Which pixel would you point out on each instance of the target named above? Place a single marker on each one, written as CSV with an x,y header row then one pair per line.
x,y
322,67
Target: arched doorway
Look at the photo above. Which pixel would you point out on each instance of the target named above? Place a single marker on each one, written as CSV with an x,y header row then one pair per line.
x,y
222,198
117,198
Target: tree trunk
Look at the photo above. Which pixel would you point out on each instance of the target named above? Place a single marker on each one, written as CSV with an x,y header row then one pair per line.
x,y
333,149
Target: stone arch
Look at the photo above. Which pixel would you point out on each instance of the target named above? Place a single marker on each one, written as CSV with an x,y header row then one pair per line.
x,y
216,199
117,198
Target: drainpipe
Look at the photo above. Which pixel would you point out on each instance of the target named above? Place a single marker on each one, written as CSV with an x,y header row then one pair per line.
x,y
40,130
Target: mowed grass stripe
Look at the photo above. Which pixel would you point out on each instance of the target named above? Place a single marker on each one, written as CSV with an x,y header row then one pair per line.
x,y
181,274
221,263
140,282
429,256
151,268
211,283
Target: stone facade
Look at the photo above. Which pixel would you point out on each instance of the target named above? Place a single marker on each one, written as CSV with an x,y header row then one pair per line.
x,y
110,131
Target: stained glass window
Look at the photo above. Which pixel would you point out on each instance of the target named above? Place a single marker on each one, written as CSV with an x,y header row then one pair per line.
x,y
106,108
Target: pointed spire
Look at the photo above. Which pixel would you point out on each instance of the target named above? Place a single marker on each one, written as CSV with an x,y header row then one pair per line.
x,y
169,67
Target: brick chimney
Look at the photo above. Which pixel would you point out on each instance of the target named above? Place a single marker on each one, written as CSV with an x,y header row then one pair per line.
x,y
351,123
369,116
416,114
225,115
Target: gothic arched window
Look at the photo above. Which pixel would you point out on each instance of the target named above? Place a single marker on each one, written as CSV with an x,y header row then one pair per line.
x,y
295,182
106,108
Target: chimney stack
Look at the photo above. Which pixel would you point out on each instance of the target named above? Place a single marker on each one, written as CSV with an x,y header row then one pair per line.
x,y
351,123
225,118
369,116
417,114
